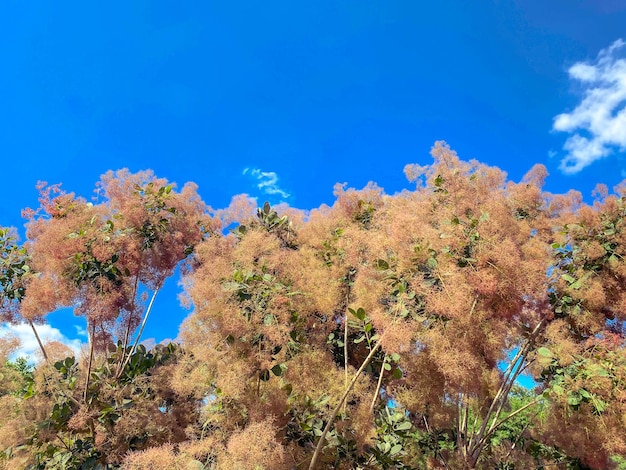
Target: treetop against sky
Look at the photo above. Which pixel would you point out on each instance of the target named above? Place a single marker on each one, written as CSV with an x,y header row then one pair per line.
x,y
282,101
306,323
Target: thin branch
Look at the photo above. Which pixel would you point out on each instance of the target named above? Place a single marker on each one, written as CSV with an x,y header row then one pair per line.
x,y
331,419
437,451
443,284
512,372
62,441
521,366
463,412
465,417
379,384
132,308
258,380
53,383
519,436
512,380
459,420
505,419
473,306
345,350
505,386
462,409
43,350
143,324
348,290
91,347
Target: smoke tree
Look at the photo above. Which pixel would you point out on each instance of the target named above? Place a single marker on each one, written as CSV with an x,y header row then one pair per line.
x,y
428,293
386,331
102,259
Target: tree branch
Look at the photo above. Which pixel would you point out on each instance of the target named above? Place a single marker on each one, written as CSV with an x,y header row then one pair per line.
x,y
378,385
345,348
43,350
143,324
512,372
505,419
132,308
91,346
331,419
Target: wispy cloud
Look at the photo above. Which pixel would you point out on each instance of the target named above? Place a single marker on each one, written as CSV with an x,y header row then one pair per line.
x,y
29,348
80,331
598,123
267,182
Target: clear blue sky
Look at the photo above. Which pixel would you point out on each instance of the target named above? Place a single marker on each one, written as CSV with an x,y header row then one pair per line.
x,y
304,95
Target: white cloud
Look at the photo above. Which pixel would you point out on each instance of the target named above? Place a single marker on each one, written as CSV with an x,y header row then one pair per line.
x,y
598,124
80,331
267,182
28,343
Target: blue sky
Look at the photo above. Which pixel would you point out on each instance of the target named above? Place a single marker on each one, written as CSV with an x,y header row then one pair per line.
x,y
281,99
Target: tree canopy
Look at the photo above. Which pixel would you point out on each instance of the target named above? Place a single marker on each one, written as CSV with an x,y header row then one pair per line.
x,y
384,331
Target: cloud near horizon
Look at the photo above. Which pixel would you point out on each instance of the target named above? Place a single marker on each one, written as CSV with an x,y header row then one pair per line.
x,y
267,182
29,348
598,123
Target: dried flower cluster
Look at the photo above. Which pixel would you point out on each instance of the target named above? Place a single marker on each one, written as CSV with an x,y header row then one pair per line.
x,y
382,332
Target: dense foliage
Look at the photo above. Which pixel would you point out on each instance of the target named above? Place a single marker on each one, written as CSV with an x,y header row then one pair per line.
x,y
386,331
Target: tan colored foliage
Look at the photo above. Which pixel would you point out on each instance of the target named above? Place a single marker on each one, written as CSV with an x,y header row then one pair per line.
x,y
451,275
307,325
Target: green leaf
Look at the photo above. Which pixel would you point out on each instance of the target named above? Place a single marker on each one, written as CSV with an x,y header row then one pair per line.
x,y
543,351
576,285
598,371
395,449
568,278
397,373
558,390
573,399
404,426
30,391
544,361
598,405
432,263
381,265
279,369
359,313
